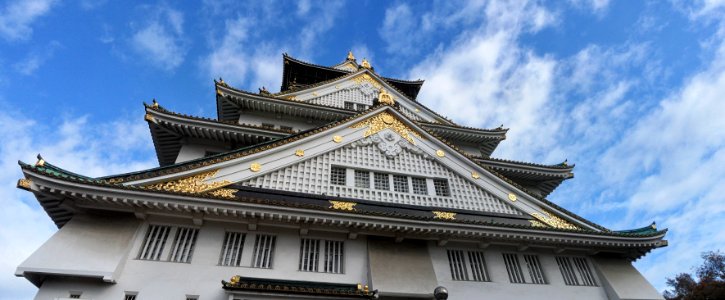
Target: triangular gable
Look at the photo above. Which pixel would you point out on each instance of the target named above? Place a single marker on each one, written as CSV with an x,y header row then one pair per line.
x,y
349,66
362,88
384,120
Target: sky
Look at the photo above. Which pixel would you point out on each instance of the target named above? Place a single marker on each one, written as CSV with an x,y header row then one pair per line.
x,y
629,91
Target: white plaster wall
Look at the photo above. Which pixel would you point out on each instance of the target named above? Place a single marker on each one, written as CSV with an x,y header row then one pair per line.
x,y
257,118
169,280
191,151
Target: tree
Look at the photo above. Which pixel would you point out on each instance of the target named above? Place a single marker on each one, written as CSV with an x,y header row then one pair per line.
x,y
710,282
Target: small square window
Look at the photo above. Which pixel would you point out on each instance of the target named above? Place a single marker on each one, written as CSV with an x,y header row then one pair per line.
x,y
362,179
400,183
382,181
419,186
361,107
441,187
350,105
337,175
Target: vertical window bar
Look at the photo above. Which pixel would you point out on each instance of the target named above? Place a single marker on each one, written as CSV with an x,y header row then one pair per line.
x,y
584,271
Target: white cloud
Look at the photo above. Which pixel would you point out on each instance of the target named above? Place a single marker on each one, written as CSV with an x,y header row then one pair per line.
x,y
36,59
162,41
320,22
17,17
76,144
597,6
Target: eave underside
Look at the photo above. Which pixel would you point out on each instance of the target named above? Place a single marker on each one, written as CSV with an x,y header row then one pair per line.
x,y
272,207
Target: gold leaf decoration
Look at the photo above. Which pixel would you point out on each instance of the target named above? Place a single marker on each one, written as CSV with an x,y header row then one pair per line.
x,y
342,205
255,167
385,120
337,139
386,98
512,197
553,221
440,153
537,223
24,183
475,175
224,193
367,78
444,215
189,185
300,152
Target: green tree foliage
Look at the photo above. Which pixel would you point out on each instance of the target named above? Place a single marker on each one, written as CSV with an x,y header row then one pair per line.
x,y
708,284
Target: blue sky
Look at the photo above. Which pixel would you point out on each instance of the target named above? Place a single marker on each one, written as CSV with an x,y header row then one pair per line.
x,y
630,91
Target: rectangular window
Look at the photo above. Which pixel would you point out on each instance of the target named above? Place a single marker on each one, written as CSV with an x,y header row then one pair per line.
x,y
400,183
267,126
478,266
535,273
362,179
457,264
74,296
263,251
441,187
334,251
515,269
575,271
154,242
382,181
337,175
130,297
183,246
419,186
361,107
285,128
232,249
309,255
349,105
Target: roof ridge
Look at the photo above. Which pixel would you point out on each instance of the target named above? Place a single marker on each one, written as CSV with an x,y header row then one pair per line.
x,y
563,165
285,55
166,111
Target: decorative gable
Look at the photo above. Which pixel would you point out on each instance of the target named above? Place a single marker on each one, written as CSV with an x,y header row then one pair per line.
x,y
384,153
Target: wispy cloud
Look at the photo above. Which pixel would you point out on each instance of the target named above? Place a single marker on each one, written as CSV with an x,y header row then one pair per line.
x,y
17,17
75,144
36,59
161,41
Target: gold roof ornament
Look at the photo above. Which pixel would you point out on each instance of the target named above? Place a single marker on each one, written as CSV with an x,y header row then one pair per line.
x,y
189,185
40,162
337,139
553,221
342,205
24,184
154,104
383,121
350,56
444,215
386,98
440,153
255,167
475,175
366,64
512,197
300,152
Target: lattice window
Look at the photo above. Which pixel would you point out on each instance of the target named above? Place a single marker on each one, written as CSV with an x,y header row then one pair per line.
x,y
309,255
362,179
457,264
263,251
441,187
478,266
575,271
400,183
419,186
338,175
154,242
334,253
382,181
183,246
533,274
349,105
232,249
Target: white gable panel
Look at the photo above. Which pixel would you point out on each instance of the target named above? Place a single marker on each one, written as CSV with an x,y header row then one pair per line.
x,y
313,176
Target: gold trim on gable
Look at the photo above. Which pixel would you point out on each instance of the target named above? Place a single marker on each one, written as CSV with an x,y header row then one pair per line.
x,y
386,120
553,221
189,185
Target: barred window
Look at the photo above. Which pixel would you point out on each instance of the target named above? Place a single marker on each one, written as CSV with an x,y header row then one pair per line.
x,y
183,246
263,251
154,242
382,181
575,271
441,187
232,249
419,186
334,251
400,183
337,175
362,179
460,261
128,296
533,274
361,107
309,255
457,264
349,105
